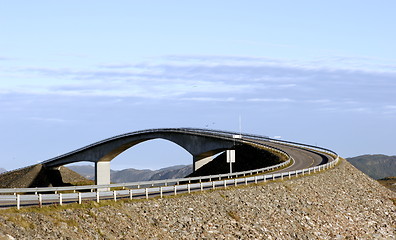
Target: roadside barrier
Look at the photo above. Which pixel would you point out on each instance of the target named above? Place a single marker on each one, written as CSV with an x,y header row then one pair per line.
x,y
17,197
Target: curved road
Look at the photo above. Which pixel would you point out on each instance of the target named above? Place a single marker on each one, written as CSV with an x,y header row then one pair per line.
x,y
303,158
302,155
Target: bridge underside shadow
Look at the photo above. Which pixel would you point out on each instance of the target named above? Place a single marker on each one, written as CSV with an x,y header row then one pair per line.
x,y
247,158
201,147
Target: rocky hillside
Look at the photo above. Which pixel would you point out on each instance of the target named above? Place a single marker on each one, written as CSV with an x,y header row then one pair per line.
x,y
172,173
376,166
134,175
2,170
38,176
341,203
87,171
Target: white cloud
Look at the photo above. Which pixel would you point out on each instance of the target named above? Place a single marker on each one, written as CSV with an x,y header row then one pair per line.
x,y
210,99
217,78
358,109
390,107
52,120
320,101
270,100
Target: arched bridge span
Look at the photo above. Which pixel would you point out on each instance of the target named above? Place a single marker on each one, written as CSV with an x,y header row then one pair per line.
x,y
202,146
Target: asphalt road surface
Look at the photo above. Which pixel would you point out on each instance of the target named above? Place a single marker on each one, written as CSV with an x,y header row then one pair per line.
x,y
303,158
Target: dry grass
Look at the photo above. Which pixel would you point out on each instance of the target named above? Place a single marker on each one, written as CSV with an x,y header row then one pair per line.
x,y
20,221
234,215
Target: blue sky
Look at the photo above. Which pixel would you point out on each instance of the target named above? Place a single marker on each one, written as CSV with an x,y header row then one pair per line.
x,y
76,72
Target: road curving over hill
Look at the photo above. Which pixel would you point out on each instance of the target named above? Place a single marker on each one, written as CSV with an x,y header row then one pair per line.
x,y
197,142
300,159
304,156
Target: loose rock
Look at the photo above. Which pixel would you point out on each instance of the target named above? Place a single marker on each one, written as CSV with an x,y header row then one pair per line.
x,y
340,203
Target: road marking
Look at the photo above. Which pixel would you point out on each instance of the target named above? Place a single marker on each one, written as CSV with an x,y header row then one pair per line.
x,y
313,160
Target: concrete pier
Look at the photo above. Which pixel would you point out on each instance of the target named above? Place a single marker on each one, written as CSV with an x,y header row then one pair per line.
x,y
102,174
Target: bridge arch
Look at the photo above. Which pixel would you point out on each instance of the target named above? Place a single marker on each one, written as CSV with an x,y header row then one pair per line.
x,y
201,146
152,154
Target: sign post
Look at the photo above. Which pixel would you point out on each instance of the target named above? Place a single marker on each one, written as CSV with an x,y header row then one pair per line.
x,y
230,158
231,153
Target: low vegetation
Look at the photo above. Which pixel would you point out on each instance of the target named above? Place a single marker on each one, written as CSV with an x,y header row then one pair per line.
x,y
388,182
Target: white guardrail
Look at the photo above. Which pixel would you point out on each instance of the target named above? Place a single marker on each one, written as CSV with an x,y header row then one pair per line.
x,y
17,197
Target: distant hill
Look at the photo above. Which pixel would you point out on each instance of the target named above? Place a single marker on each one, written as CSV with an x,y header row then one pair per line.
x,y
377,166
180,171
2,170
39,176
134,175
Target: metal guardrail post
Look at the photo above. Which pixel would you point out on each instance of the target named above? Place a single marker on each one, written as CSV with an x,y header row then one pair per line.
x,y
60,199
97,196
40,201
130,194
79,198
18,201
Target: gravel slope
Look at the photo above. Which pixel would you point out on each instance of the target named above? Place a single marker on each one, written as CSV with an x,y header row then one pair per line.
x,y
341,203
38,176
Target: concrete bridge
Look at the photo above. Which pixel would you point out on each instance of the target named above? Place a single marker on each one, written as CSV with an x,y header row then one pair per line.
x,y
202,145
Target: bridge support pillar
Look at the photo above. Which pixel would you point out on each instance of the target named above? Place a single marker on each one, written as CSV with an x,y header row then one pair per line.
x,y
199,161
102,174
